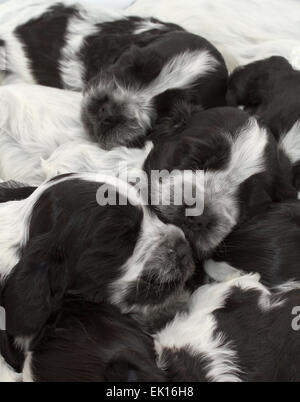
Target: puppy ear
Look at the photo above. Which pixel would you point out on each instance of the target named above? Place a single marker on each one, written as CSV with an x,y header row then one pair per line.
x,y
245,86
34,290
141,65
255,199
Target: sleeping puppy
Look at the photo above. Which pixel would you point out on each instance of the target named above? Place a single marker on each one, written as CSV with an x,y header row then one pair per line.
x,y
266,244
243,172
270,89
62,241
121,106
107,50
88,343
234,331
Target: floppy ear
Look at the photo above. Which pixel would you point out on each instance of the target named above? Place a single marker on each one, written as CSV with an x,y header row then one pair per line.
x,y
141,65
245,86
35,288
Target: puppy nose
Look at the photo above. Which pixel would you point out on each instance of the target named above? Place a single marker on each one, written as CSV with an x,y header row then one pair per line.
x,y
106,110
198,223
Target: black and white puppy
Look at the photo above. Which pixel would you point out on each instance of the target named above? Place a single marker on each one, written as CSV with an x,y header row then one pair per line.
x,y
87,343
134,65
120,106
267,244
65,240
270,89
243,170
234,331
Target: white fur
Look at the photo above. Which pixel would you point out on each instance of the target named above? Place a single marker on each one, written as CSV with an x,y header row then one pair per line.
x,y
221,271
290,143
41,136
247,155
243,31
88,157
7,374
27,373
182,71
147,26
34,122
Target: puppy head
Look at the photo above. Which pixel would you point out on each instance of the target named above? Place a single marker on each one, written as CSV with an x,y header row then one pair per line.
x,y
226,157
120,106
250,85
78,255
115,114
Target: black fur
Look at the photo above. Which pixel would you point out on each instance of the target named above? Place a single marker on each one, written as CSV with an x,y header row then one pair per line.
x,y
93,343
270,89
267,244
115,38
43,39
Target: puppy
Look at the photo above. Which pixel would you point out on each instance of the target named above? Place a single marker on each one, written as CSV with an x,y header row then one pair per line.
x,y
270,89
107,50
243,172
234,331
121,106
266,244
89,343
62,240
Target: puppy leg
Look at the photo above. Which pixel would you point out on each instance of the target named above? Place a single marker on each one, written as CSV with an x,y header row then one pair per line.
x,y
221,271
